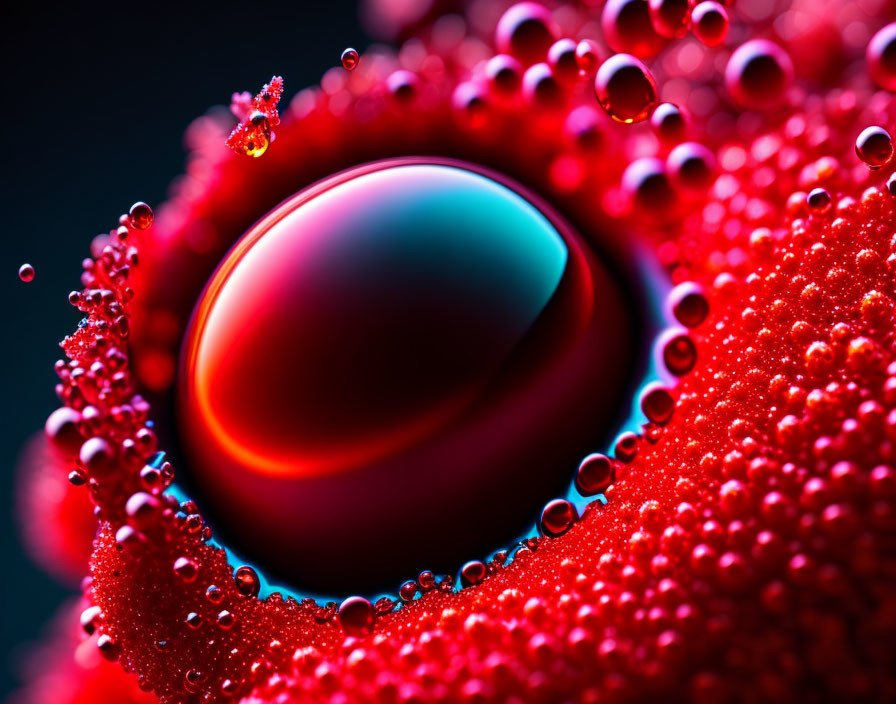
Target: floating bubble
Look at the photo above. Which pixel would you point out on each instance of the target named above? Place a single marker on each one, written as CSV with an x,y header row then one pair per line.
x,y
356,615
679,354
669,123
26,273
595,474
504,74
691,166
526,30
540,87
472,573
588,56
657,403
140,216
403,86
557,517
438,273
819,200
881,57
688,304
350,58
874,146
247,581
628,27
758,74
670,17
564,61
709,22
625,88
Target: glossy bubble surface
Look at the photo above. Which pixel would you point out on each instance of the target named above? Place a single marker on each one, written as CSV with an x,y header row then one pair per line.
x,y
387,355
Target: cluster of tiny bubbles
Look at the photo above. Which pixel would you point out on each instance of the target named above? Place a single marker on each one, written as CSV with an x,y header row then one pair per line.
x,y
26,273
258,116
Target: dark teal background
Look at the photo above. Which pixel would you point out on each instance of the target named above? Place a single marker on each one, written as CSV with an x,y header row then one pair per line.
x,y
95,100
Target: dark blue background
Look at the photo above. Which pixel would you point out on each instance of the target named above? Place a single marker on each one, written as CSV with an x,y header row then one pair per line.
x,y
95,101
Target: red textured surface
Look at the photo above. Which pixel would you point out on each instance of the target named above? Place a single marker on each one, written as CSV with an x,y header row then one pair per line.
x,y
748,552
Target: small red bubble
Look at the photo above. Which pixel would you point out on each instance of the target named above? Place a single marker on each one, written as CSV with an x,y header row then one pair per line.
x,y
625,88
470,103
408,590
881,57
582,127
504,74
669,123
563,60
874,146
526,30
62,429
214,594
108,648
350,59
472,573
758,74
557,518
657,404
356,616
384,605
402,85
688,304
225,619
670,17
140,216
426,580
587,56
540,87
647,185
186,569
691,166
247,581
709,22
96,455
595,474
628,27
818,200
680,354
90,619
26,273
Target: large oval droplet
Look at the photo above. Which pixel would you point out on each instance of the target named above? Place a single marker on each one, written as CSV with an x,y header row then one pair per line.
x,y
394,369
